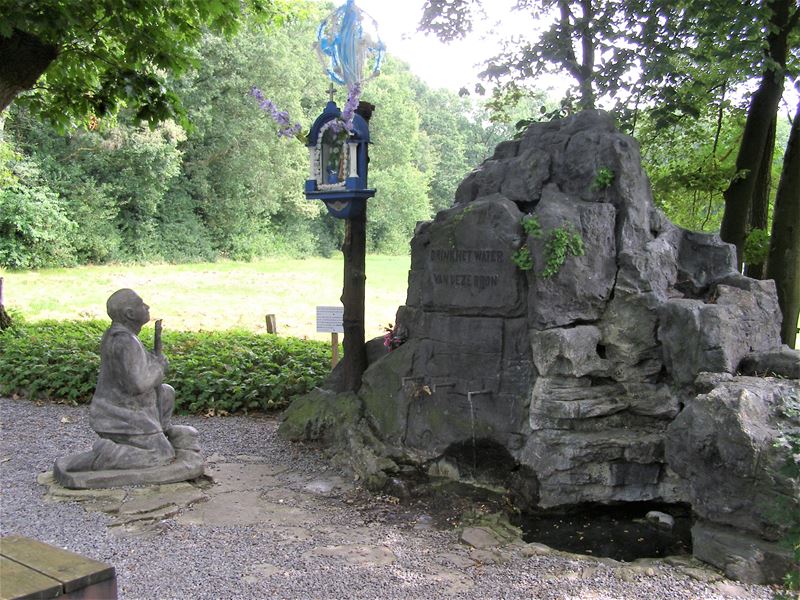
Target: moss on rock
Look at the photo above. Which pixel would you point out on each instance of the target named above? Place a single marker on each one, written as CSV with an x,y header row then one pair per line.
x,y
381,386
320,416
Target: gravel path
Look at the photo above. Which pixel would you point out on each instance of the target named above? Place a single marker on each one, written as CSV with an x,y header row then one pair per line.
x,y
180,559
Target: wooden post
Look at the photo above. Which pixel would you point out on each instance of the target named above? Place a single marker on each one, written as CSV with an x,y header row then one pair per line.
x,y
355,252
334,350
5,320
158,348
271,326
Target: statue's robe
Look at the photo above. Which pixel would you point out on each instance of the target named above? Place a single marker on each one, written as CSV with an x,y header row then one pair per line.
x,y
131,407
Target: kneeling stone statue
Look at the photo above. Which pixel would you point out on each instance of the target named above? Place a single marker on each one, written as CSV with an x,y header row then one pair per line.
x,y
131,411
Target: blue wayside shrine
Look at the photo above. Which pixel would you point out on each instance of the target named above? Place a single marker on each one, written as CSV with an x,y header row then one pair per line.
x,y
351,52
338,163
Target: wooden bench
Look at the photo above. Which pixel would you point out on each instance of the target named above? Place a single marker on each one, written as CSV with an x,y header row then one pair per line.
x,y
32,570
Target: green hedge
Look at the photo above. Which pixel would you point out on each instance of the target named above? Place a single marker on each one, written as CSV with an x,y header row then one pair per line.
x,y
220,371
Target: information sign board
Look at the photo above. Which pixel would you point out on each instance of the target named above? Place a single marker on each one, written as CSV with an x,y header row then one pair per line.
x,y
329,319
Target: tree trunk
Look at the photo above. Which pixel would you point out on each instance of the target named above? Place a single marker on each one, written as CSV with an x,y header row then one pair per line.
x,y
763,108
353,293
582,71
783,264
759,213
23,59
587,56
355,251
5,320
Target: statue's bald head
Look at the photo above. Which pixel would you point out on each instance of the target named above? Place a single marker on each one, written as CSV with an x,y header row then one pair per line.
x,y
125,306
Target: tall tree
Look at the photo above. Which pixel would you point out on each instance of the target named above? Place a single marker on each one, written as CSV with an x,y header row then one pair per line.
x,y
783,263
782,23
688,184
84,59
400,165
759,211
586,39
244,182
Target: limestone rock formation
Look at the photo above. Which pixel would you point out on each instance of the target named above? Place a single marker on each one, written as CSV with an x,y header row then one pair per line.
x,y
728,444
559,330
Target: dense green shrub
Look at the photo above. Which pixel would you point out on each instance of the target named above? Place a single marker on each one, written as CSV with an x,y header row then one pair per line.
x,y
35,227
224,371
51,359
242,371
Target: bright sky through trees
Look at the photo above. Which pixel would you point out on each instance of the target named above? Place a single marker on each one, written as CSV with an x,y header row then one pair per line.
x,y
452,65
457,64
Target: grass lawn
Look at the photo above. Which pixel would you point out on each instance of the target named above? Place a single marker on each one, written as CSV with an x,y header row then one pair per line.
x,y
213,296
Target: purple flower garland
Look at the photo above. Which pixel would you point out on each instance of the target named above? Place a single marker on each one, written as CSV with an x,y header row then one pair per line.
x,y
287,130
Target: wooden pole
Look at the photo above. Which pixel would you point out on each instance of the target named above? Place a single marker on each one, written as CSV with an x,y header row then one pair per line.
x,y
158,349
355,252
271,324
5,320
334,350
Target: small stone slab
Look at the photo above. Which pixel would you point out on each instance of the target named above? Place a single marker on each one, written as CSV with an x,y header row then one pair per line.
x,y
536,549
730,590
147,500
187,465
128,520
325,486
295,534
661,520
488,556
357,554
103,500
228,477
262,571
246,508
481,537
72,571
452,582
703,575
457,560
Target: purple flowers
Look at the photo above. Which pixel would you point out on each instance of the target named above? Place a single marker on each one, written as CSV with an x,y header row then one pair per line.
x,y
285,127
349,110
345,122
281,117
393,338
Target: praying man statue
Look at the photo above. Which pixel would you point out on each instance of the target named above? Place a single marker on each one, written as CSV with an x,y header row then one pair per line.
x,y
131,411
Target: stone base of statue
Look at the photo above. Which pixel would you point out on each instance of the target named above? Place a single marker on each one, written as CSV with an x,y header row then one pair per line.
x,y
90,470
